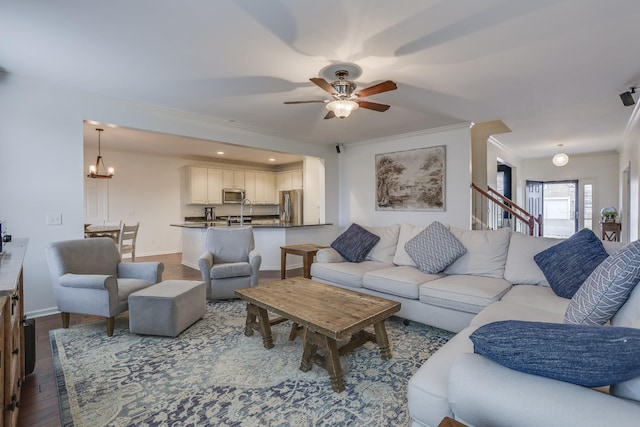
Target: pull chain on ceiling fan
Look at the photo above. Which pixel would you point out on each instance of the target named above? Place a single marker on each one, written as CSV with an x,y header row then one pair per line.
x,y
345,100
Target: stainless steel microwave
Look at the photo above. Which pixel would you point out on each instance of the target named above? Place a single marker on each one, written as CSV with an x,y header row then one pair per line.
x,y
232,195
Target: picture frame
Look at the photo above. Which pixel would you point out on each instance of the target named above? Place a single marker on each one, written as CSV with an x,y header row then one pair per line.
x,y
411,180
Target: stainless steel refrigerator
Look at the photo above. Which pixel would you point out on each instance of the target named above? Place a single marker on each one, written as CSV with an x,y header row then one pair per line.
x,y
291,207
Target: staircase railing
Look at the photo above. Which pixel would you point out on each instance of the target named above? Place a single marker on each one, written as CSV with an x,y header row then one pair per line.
x,y
492,210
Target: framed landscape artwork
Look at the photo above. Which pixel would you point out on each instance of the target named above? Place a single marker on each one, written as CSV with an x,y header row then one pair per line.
x,y
411,180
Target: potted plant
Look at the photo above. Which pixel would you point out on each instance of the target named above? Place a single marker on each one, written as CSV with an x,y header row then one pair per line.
x,y
609,214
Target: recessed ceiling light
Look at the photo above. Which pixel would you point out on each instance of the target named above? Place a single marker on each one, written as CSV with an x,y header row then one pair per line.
x,y
272,159
221,152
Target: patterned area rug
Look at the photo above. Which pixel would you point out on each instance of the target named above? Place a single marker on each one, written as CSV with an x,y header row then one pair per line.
x,y
212,374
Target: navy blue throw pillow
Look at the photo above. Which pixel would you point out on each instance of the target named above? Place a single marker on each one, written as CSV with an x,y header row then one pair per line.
x,y
587,355
355,243
568,264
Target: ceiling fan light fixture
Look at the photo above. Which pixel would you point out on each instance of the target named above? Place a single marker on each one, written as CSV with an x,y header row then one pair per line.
x,y
560,159
342,108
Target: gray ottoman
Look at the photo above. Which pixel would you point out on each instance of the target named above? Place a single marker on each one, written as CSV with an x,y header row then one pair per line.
x,y
167,308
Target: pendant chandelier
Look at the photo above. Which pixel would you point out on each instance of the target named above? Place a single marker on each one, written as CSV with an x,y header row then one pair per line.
x,y
560,159
95,170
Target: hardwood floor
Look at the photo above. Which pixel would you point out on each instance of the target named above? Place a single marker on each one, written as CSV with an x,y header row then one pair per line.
x,y
38,399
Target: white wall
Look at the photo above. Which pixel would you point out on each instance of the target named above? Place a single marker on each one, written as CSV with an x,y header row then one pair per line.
x,y
630,157
600,168
358,181
496,151
42,166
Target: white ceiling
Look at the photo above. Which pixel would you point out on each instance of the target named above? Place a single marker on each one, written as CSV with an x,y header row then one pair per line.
x,y
551,70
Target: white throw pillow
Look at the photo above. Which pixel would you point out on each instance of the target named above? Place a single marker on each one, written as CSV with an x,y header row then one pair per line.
x,y
486,252
407,232
521,268
385,249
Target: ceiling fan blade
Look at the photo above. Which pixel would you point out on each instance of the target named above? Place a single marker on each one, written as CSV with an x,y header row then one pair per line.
x,y
323,84
330,115
373,106
379,88
303,102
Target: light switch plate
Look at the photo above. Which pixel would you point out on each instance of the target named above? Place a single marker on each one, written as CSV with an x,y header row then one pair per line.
x,y
54,219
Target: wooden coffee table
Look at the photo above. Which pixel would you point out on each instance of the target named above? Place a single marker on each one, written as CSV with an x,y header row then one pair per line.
x,y
327,313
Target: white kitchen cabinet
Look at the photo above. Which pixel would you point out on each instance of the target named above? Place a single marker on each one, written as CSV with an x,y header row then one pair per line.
x,y
233,178
289,180
265,188
205,185
296,179
250,186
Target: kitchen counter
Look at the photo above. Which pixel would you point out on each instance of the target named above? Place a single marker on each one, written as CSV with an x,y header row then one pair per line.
x,y
254,224
269,236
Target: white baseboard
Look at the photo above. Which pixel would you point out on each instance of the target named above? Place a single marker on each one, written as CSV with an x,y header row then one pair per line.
x,y
41,313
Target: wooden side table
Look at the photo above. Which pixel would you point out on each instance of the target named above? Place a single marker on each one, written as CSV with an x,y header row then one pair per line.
x,y
610,231
306,250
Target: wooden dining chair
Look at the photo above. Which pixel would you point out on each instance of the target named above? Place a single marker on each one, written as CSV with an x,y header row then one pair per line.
x,y
127,240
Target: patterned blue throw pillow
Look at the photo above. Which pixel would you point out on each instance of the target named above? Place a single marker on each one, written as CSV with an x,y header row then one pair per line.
x,y
568,264
435,248
355,243
607,288
587,355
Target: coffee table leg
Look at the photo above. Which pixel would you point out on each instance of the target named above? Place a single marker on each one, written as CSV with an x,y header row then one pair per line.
x,y
331,359
333,365
382,339
262,324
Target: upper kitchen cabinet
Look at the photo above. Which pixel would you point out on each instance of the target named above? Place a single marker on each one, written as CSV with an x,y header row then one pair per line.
x,y
289,180
233,179
205,185
260,187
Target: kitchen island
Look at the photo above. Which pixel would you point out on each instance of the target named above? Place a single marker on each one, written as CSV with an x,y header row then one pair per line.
x,y
269,237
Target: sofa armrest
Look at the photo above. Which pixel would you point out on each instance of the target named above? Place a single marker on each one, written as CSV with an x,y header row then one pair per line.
x,y
482,392
205,263
88,281
255,259
148,271
329,255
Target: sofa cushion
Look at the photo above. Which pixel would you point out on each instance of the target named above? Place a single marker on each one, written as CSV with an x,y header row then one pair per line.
x,y
403,281
538,297
521,268
502,310
385,249
607,288
568,264
345,273
591,356
434,248
463,292
486,252
629,313
355,243
407,232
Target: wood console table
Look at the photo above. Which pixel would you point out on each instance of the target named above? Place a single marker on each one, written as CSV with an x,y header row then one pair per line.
x,y
12,329
610,231
306,250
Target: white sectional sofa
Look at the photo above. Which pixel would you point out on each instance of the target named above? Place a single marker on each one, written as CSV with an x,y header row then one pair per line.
x,y
496,279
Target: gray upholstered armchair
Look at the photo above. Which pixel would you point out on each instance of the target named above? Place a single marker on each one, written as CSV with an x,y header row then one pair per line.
x,y
88,278
230,262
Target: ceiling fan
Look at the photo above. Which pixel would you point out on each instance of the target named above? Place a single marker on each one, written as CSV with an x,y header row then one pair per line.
x,y
345,100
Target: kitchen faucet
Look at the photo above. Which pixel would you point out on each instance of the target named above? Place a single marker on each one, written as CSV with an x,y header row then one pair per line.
x,y
242,203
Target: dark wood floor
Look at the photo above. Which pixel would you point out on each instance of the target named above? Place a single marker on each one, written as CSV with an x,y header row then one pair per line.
x,y
39,400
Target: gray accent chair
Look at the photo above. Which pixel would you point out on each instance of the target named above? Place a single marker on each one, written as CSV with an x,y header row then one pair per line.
x,y
88,277
230,262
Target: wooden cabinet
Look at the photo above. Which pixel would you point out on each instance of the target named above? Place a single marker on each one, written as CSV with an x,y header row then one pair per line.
x,y
205,185
250,186
12,311
233,179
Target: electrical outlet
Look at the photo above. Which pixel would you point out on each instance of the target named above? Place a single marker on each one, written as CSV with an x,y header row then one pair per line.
x,y
54,219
